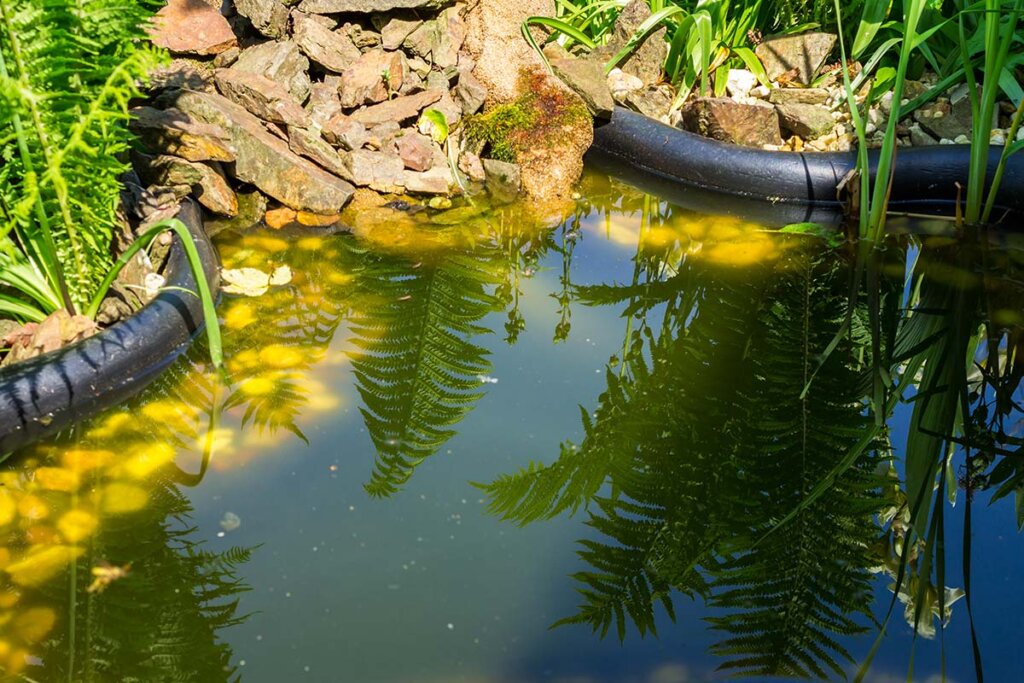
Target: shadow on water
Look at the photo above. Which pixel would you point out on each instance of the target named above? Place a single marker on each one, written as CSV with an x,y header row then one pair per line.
x,y
744,452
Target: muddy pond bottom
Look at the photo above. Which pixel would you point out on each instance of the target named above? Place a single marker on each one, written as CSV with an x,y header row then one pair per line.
x,y
447,432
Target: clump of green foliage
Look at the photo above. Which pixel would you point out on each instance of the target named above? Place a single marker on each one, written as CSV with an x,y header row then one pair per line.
x,y
68,70
535,120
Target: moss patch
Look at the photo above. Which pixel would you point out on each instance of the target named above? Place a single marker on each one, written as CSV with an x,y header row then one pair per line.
x,y
536,119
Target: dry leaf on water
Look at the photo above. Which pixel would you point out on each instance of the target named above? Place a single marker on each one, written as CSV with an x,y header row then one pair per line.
x,y
252,281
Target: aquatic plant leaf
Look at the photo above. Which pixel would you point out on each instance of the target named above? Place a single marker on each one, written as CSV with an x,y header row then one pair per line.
x,y
252,281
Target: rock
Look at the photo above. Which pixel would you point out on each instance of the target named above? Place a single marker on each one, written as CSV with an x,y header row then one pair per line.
x,y
191,27
416,151
395,29
805,53
377,170
328,49
226,58
265,161
252,205
721,118
345,132
324,103
281,62
368,6
372,78
381,135
470,93
472,166
586,78
309,144
362,38
261,96
438,41
173,132
621,84
798,95
739,83
806,120
919,138
653,101
940,121
435,181
56,330
316,220
182,73
211,187
397,110
282,216
648,60
269,17
503,179
494,40
451,109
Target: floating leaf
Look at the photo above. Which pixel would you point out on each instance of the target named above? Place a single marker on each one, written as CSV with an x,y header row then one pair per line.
x,y
252,281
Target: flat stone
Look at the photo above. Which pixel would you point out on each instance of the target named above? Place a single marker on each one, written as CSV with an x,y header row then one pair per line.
x,y
504,180
798,95
323,104
269,17
436,181
279,217
439,40
261,96
330,50
399,109
192,27
214,192
470,93
281,62
171,131
652,101
309,144
416,151
724,119
252,206
382,135
919,138
809,121
362,38
472,166
377,170
226,58
372,78
207,182
586,78
345,132
265,161
804,54
395,29
368,6
648,61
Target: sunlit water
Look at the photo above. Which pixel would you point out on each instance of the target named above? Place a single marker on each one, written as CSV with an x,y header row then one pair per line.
x,y
324,517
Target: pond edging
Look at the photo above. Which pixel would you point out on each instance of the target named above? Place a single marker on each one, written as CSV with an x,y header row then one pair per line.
x,y
779,188
43,395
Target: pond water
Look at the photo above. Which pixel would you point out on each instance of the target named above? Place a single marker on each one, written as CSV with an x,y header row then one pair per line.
x,y
399,483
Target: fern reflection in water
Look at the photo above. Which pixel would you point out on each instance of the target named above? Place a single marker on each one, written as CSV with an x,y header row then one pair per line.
x,y
703,444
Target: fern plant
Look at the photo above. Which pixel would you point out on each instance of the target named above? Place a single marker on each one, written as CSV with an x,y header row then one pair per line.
x,y
416,367
67,72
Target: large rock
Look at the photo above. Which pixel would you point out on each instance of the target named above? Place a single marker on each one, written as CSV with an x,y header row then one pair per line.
x,y
265,161
261,96
806,120
721,118
309,144
377,170
269,17
416,151
333,51
803,54
437,180
394,29
172,131
494,40
586,78
192,27
281,62
397,110
439,40
648,61
372,78
368,6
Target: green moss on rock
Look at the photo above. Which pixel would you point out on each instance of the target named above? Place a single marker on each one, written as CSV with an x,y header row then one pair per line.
x,y
534,120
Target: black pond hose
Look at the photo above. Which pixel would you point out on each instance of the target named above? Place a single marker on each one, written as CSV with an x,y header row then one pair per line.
x,y
44,395
780,188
